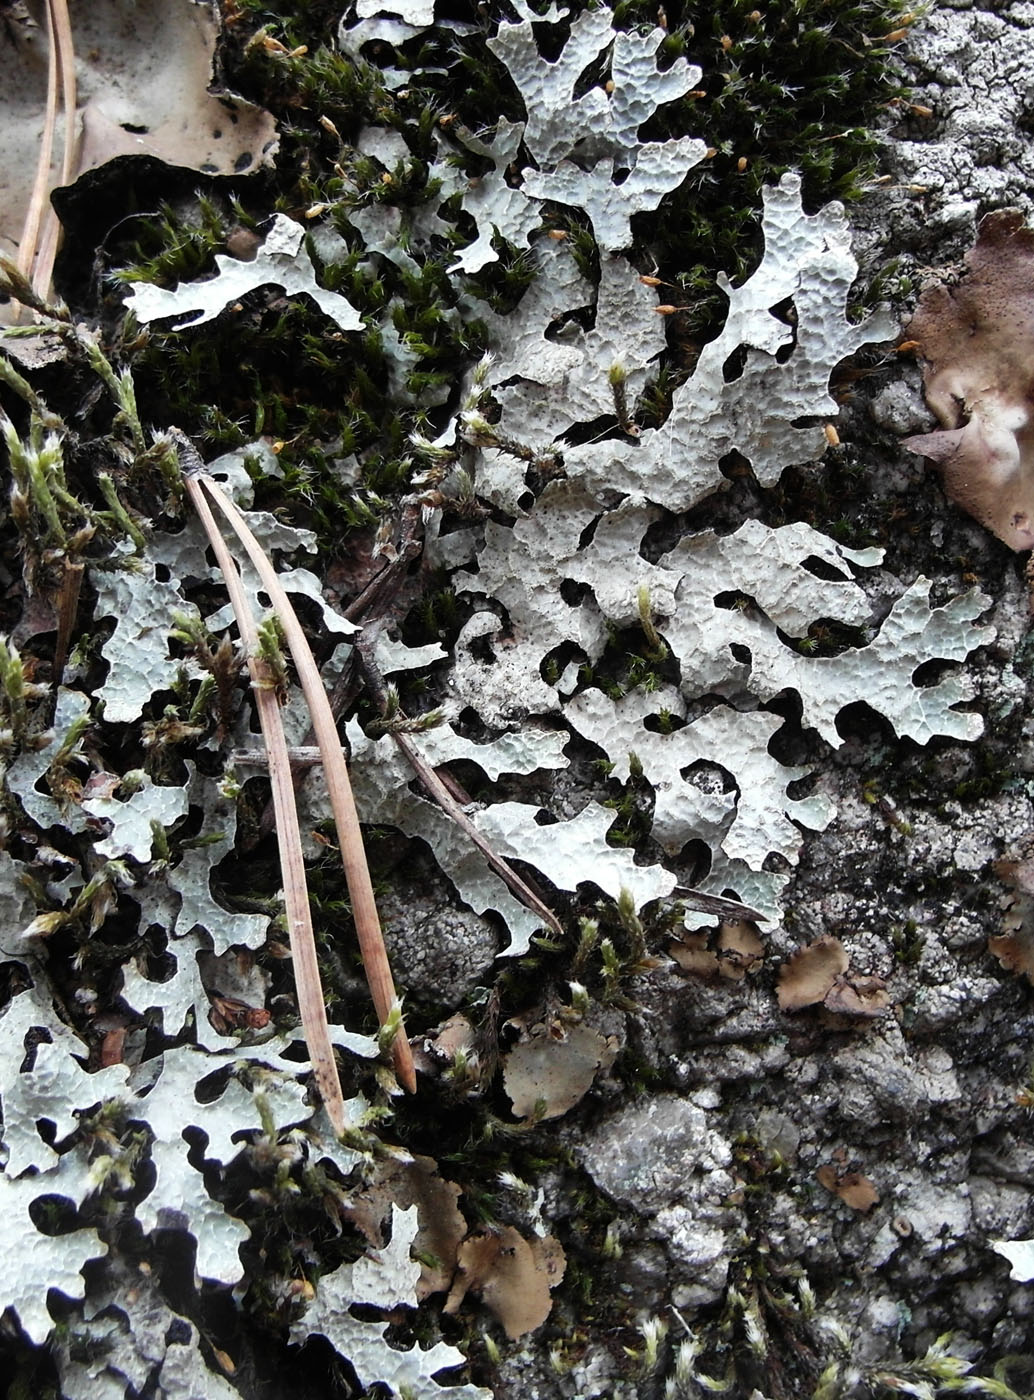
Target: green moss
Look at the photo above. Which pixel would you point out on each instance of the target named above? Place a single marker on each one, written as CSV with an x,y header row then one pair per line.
x,y
179,244
908,941
798,85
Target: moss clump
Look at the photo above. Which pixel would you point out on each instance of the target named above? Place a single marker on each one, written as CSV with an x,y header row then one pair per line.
x,y
800,85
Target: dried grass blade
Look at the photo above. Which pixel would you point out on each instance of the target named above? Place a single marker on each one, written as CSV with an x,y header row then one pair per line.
x,y
61,31
66,64
29,242
296,900
339,789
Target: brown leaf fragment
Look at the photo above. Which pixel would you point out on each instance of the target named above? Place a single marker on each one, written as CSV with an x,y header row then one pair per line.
x,y
854,995
440,1226
556,1072
693,954
1015,952
740,949
1014,946
513,1276
808,976
977,343
854,1190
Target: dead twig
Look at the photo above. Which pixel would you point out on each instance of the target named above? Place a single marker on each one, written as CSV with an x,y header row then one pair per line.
x,y
384,585
436,789
296,899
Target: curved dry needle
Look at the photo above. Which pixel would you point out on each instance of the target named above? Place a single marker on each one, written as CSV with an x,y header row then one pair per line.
x,y
29,241
717,904
437,790
41,229
61,39
339,788
311,1001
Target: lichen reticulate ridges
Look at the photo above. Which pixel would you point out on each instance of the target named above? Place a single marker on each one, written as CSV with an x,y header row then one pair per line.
x,y
550,589
588,529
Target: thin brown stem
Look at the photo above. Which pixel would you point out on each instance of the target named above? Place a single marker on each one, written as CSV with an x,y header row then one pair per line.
x,y
339,788
66,65
384,585
67,608
296,901
437,790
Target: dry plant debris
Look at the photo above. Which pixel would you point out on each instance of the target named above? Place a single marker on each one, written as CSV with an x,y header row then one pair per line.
x,y
976,340
553,1066
819,975
854,1189
513,1276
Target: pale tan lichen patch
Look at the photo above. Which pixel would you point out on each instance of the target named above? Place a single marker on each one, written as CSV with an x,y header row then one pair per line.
x,y
513,1276
738,951
550,1070
810,973
820,974
440,1226
977,344
854,1189
694,954
1014,946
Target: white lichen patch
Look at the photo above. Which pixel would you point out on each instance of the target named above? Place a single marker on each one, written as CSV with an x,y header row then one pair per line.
x,y
660,168
130,818
54,1087
558,122
137,652
35,1262
281,260
571,560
